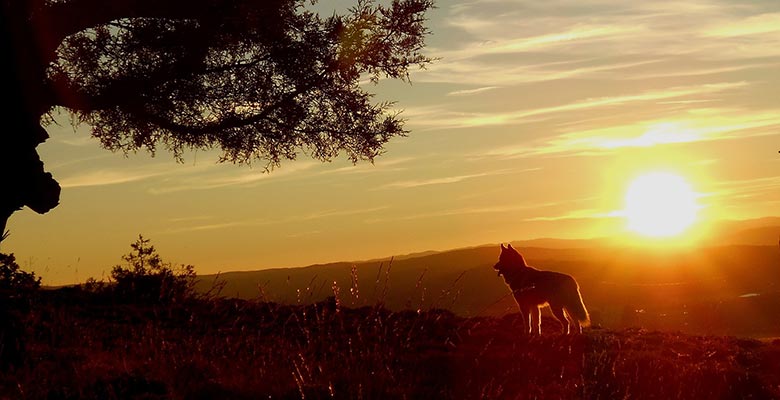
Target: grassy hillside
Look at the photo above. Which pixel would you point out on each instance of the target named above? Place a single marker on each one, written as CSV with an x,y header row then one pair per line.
x,y
75,346
719,289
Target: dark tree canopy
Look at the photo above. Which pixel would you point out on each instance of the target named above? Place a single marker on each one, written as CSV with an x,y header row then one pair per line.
x,y
262,80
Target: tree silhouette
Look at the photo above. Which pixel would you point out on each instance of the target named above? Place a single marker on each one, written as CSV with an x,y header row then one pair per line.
x,y
262,80
146,277
13,280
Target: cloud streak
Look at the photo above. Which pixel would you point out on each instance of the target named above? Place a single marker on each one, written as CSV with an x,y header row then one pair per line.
x,y
433,181
515,42
105,177
466,92
441,119
579,214
462,211
323,214
761,24
222,176
696,125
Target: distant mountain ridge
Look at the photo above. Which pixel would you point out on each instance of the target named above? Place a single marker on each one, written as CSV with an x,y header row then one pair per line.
x,y
549,243
757,232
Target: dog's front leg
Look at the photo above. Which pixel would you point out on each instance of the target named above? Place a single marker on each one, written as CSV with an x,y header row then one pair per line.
x,y
527,324
525,315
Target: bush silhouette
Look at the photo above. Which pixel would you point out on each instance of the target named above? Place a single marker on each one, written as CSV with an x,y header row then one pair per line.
x,y
15,287
145,277
13,280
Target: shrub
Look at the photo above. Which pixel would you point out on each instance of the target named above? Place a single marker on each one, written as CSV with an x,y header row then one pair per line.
x,y
146,277
15,286
13,279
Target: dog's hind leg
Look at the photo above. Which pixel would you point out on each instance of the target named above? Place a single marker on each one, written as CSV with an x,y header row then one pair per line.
x,y
536,321
525,313
577,326
561,316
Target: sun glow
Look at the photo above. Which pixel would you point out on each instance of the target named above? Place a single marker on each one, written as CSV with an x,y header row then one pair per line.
x,y
660,204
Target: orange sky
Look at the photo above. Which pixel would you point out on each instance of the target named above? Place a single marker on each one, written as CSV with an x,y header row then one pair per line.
x,y
533,123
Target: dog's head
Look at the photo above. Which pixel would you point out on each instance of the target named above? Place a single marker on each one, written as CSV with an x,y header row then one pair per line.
x,y
508,260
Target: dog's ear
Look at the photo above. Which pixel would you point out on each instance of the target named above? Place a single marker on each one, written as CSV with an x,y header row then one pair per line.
x,y
509,246
502,247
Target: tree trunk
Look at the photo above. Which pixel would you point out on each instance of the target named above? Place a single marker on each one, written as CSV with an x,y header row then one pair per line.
x,y
3,222
26,97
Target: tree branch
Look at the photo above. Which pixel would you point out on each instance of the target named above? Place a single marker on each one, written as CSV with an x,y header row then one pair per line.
x,y
65,18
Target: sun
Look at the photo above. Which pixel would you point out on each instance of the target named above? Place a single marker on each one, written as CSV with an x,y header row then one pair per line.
x,y
660,204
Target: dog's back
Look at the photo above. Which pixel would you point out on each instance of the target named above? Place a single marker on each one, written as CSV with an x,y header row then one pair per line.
x,y
541,288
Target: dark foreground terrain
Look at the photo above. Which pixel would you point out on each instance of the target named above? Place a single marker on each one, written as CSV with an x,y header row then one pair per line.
x,y
74,345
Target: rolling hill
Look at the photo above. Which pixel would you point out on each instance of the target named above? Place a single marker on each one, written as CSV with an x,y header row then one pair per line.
x,y
731,287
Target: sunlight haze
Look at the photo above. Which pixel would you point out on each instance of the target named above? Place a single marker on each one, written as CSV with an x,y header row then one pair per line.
x,y
535,121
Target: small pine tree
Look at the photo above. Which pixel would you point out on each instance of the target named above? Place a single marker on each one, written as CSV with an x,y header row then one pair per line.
x,y
146,277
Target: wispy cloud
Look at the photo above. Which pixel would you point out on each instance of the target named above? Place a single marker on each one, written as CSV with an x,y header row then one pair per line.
x,y
323,214
747,187
220,176
336,213
493,209
671,71
189,219
444,180
171,177
441,119
108,177
749,197
380,165
494,75
452,212
579,214
511,42
668,93
434,181
567,36
76,161
695,125
76,140
760,24
466,92
209,227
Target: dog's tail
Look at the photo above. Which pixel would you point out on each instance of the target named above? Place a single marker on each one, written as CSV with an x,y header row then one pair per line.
x,y
577,307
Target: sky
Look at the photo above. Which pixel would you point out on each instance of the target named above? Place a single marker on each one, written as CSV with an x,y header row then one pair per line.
x,y
534,121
